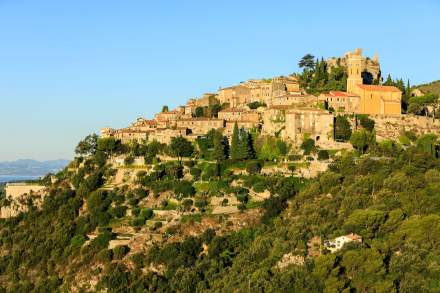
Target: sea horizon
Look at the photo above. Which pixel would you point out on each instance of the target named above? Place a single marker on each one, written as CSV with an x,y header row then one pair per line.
x,y
15,178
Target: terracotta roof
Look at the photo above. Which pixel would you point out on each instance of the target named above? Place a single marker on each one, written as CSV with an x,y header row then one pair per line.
x,y
354,237
340,94
280,107
242,121
199,119
128,130
232,110
378,88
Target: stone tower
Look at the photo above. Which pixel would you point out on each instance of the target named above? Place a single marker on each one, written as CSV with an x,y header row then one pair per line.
x,y
354,70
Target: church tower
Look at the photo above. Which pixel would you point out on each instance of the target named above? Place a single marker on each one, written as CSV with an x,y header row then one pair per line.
x,y
354,70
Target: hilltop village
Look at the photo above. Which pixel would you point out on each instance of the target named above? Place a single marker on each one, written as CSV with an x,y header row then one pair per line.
x,y
276,106
280,184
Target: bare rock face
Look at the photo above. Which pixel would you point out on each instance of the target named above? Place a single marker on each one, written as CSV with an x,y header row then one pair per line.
x,y
370,65
290,259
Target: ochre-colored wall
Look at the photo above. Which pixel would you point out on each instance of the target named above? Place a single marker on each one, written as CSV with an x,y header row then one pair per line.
x,y
379,102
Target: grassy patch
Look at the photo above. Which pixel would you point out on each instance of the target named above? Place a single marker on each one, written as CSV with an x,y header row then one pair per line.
x,y
192,218
254,204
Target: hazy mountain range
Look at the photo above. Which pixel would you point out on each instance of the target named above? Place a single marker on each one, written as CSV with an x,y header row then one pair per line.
x,y
31,167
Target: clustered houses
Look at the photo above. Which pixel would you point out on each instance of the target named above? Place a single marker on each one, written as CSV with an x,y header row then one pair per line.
x,y
285,109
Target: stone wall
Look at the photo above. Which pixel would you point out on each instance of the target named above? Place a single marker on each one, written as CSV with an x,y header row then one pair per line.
x,y
390,127
15,190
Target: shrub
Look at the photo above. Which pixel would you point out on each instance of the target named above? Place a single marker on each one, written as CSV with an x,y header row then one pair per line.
x,y
187,204
241,207
243,198
291,167
253,167
129,160
101,241
118,211
295,157
201,203
157,225
259,186
146,214
140,193
342,129
367,123
135,211
105,255
256,105
174,172
138,260
184,189
195,172
211,172
120,251
189,164
164,203
323,155
308,145
77,241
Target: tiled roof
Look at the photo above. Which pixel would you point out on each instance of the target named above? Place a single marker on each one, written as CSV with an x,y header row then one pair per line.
x,y
340,94
378,88
232,110
199,119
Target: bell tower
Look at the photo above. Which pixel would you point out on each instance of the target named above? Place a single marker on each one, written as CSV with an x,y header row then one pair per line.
x,y
354,70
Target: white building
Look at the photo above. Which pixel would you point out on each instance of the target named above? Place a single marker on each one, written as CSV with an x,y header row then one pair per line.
x,y
339,242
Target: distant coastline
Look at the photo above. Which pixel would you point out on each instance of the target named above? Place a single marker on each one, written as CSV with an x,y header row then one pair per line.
x,y
16,178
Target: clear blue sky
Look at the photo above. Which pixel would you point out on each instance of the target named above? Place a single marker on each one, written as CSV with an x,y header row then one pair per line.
x,y
68,68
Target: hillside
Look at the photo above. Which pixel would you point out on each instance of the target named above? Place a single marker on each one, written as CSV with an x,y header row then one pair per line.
x,y
432,87
192,221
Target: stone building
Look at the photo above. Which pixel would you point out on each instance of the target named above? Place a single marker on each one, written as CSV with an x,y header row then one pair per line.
x,y
341,101
376,99
293,122
239,114
234,95
317,123
164,135
247,125
293,99
168,119
200,126
373,99
126,134
143,124
231,114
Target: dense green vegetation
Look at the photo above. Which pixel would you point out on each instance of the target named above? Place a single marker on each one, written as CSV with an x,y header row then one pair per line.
x,y
393,203
386,192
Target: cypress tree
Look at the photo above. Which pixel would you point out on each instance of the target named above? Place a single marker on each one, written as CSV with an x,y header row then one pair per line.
x,y
242,145
219,152
235,143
